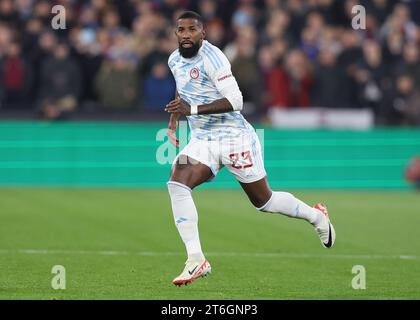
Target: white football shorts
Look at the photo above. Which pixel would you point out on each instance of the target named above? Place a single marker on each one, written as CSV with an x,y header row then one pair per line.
x,y
242,156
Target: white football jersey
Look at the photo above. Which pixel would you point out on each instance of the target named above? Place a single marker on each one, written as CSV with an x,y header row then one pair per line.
x,y
199,81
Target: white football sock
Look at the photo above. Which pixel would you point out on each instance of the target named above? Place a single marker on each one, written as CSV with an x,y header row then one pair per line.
x,y
186,218
285,203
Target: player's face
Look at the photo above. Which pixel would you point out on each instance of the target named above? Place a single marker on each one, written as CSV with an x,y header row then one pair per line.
x,y
190,35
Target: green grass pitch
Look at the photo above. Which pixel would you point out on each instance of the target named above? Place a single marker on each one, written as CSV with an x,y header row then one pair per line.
x,y
122,244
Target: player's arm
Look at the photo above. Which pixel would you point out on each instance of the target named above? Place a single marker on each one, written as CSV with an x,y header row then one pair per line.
x,y
232,100
173,124
179,106
227,86
218,106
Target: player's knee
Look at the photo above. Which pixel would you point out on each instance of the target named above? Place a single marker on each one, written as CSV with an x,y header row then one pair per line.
x,y
261,199
262,209
277,202
178,190
264,206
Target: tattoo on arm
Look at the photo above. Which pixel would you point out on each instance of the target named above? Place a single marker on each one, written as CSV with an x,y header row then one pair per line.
x,y
218,106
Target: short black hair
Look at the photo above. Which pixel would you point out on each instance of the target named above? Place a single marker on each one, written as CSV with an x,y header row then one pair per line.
x,y
191,15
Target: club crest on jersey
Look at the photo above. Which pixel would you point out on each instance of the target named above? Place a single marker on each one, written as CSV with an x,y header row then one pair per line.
x,y
194,73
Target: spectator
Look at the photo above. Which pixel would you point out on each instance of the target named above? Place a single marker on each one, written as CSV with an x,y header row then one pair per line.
x,y
276,27
351,51
316,22
162,50
412,172
32,30
216,33
116,83
312,35
111,22
393,48
371,76
160,80
44,48
330,82
208,10
297,12
8,14
347,60
380,9
60,84
24,9
42,11
309,43
168,7
290,84
89,18
17,77
410,64
245,68
267,62
260,37
6,37
88,52
143,44
245,15
399,22
401,106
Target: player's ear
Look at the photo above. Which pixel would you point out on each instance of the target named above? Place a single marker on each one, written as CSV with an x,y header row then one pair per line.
x,y
203,33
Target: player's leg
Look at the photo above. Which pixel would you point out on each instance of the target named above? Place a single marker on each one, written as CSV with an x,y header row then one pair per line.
x,y
264,199
186,174
267,200
190,172
243,158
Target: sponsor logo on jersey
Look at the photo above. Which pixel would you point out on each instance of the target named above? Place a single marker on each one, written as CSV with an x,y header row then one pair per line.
x,y
224,77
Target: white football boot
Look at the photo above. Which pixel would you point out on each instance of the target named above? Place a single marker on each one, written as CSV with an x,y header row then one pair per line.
x,y
325,228
193,270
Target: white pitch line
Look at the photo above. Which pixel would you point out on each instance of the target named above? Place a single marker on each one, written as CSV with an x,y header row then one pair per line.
x,y
221,254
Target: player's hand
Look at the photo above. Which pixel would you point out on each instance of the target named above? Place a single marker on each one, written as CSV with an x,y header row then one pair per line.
x,y
171,133
178,106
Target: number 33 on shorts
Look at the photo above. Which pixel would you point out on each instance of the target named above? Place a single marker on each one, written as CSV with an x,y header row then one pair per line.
x,y
247,165
241,160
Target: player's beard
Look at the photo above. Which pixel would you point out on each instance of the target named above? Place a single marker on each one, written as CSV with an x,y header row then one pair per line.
x,y
189,52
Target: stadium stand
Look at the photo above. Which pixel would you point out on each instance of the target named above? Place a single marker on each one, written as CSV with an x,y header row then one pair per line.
x,y
286,55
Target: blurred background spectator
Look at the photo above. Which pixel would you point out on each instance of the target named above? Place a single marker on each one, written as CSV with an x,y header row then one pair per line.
x,y
17,75
290,84
60,84
159,80
116,83
412,172
286,54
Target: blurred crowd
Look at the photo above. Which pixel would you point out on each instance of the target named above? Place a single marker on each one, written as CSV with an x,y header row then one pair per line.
x,y
112,55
